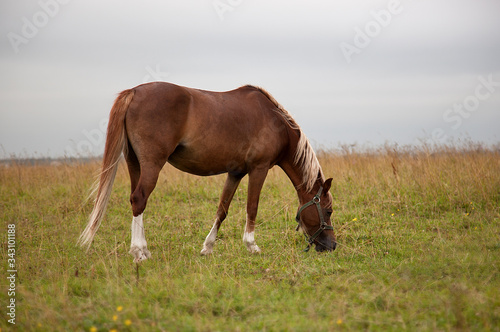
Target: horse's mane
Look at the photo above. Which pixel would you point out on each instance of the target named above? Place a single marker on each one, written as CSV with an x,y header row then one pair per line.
x,y
304,158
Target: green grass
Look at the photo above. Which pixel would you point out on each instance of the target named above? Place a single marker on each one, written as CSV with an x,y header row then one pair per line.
x,y
418,233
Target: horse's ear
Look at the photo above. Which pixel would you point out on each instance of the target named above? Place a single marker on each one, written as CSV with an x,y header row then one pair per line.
x,y
327,185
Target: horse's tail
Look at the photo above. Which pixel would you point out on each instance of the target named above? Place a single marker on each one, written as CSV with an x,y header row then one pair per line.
x,y
116,143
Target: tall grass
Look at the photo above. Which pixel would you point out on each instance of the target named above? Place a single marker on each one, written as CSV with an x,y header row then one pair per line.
x,y
418,233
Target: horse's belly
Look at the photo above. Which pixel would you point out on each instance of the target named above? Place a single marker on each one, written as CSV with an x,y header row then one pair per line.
x,y
204,162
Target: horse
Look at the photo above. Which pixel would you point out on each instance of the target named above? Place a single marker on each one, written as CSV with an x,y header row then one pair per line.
x,y
239,132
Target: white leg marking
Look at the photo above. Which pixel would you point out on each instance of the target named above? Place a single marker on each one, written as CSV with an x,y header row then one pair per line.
x,y
249,240
138,245
208,245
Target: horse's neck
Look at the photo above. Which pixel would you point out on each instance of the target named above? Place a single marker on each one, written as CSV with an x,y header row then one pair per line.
x,y
296,173
296,176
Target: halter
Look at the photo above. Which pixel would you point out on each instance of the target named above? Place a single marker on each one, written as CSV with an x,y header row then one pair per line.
x,y
323,226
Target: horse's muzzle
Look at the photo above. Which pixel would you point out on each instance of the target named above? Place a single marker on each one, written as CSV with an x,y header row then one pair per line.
x,y
326,244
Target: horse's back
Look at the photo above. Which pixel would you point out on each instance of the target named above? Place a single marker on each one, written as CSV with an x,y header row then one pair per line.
x,y
205,132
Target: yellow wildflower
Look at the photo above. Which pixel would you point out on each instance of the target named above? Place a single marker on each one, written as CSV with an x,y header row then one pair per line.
x,y
128,322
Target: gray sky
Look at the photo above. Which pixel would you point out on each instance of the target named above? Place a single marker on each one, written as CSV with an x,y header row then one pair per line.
x,y
350,71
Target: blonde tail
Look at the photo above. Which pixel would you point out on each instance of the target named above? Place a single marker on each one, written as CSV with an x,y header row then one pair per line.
x,y
116,143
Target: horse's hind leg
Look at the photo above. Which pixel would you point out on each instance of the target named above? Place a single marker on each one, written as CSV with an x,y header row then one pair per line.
x,y
134,168
145,185
138,246
230,186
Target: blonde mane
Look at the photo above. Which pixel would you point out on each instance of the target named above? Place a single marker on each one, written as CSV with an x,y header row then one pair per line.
x,y
304,157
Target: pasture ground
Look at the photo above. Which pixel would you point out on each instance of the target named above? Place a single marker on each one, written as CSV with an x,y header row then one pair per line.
x,y
418,234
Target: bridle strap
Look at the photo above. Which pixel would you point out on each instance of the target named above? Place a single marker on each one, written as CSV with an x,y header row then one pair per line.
x,y
323,226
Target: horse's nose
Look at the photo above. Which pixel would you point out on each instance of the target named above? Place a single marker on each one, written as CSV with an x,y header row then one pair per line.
x,y
326,245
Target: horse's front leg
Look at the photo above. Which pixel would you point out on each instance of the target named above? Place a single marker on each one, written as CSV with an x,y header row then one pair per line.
x,y
256,180
230,186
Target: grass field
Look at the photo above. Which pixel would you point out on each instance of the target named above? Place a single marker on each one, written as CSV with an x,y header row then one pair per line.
x,y
418,234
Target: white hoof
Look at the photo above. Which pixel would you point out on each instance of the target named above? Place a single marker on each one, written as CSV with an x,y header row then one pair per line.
x,y
206,251
249,240
208,245
140,254
253,248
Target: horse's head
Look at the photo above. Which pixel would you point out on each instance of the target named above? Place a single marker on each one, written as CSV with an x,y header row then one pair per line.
x,y
314,219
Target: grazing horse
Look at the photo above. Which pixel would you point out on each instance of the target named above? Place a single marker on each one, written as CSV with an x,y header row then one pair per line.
x,y
238,132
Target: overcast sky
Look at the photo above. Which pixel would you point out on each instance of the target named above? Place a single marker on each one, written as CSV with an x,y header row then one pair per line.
x,y
349,71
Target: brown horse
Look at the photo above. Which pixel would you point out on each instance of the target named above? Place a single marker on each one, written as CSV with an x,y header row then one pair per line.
x,y
239,132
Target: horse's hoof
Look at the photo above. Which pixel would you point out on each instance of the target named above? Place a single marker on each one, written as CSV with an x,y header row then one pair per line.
x,y
254,249
140,254
206,251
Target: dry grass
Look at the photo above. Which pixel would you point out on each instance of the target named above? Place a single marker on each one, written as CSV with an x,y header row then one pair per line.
x,y
419,249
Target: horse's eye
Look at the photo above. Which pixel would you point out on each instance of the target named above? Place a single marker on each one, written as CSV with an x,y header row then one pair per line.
x,y
329,212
